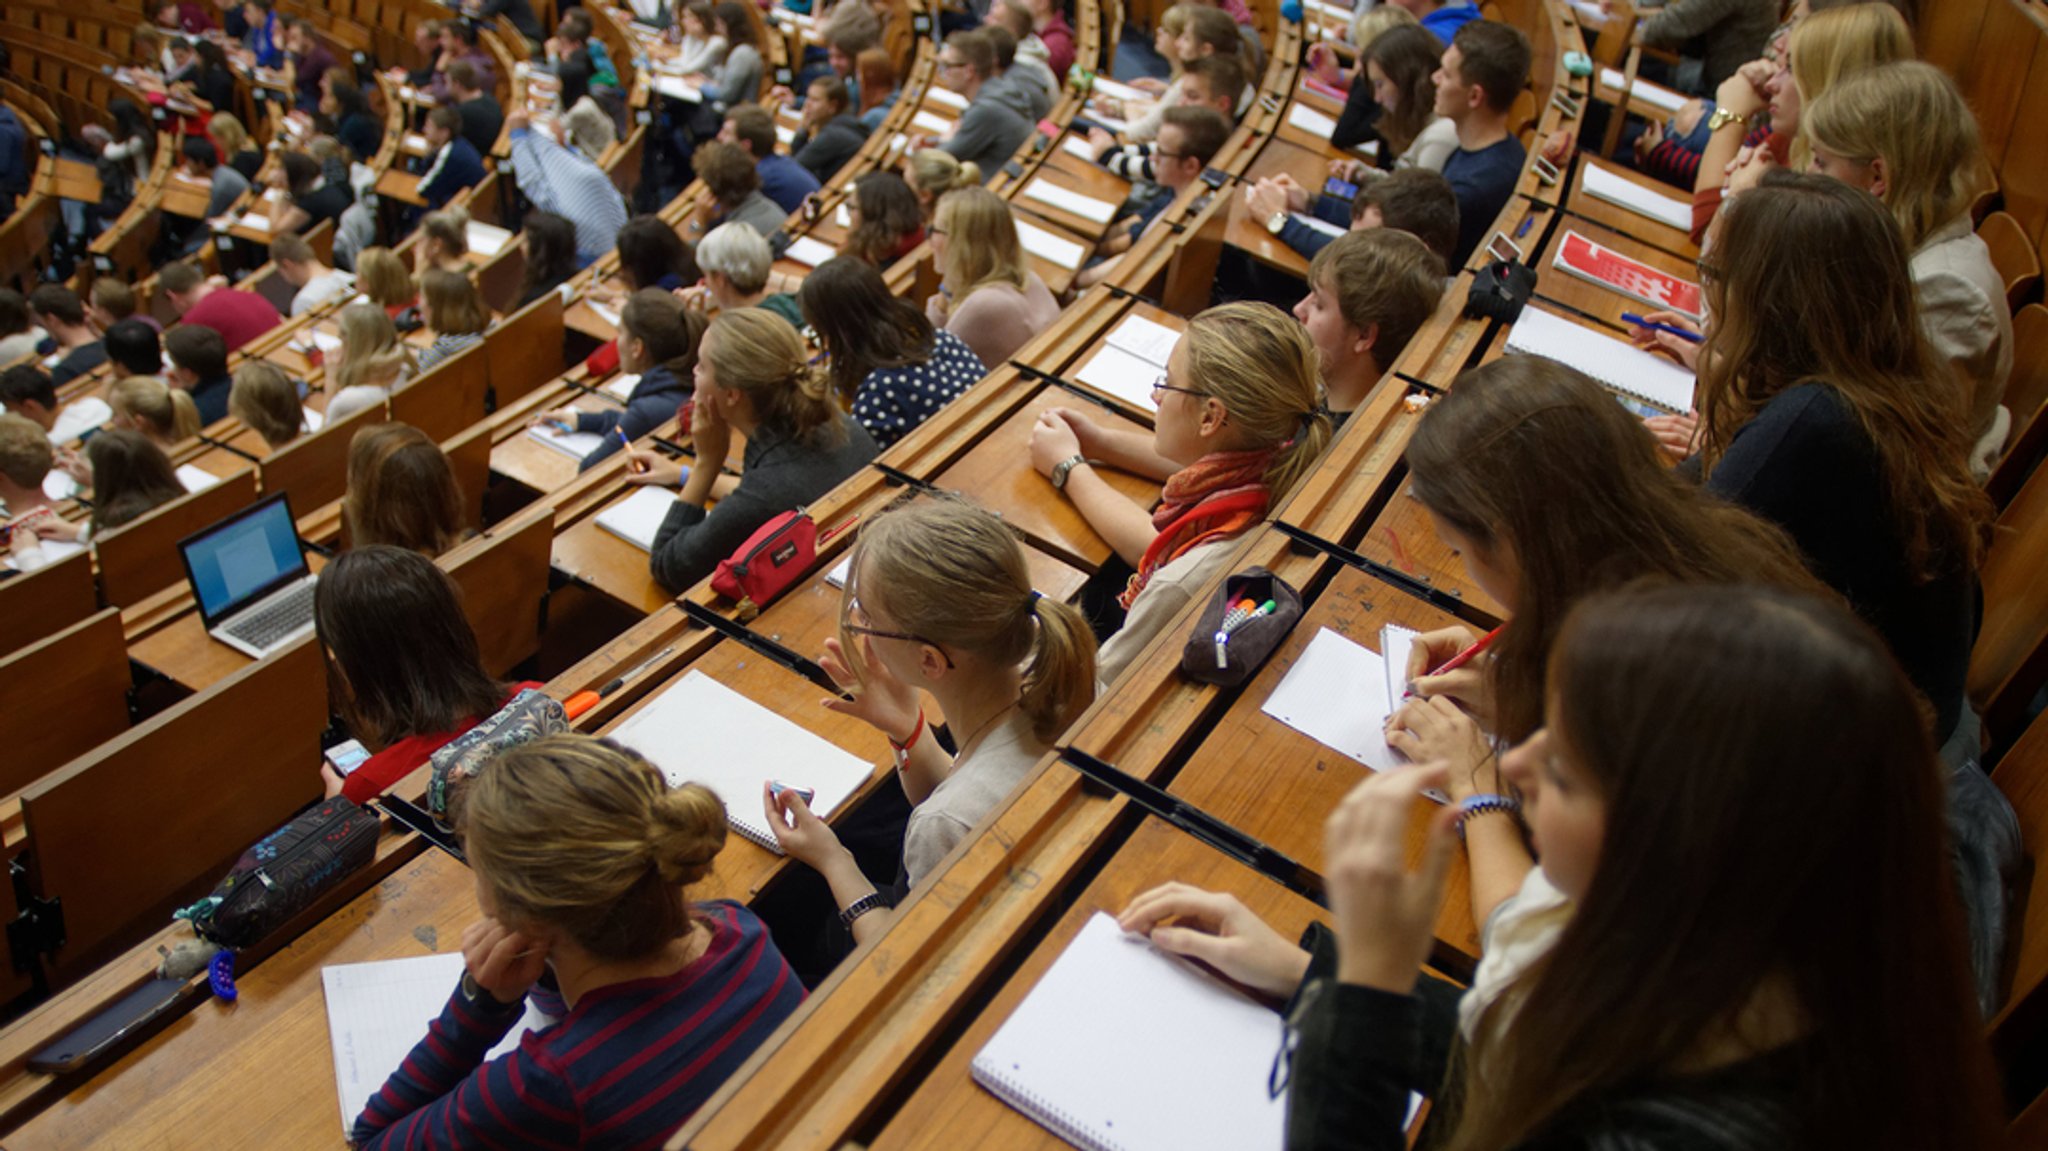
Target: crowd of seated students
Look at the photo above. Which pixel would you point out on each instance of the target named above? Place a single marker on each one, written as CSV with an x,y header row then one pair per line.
x,y
1189,137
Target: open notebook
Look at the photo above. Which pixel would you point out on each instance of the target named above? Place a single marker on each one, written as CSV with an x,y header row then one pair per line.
x,y
1131,359
1621,191
573,444
1122,1047
1624,369
699,730
377,1012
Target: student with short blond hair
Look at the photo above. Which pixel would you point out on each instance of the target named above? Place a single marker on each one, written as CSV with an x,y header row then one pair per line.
x,y
988,295
939,599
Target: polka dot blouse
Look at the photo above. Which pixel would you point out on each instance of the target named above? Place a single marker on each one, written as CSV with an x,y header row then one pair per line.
x,y
893,401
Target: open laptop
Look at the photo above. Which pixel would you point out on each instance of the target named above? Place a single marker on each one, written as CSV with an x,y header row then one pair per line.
x,y
250,577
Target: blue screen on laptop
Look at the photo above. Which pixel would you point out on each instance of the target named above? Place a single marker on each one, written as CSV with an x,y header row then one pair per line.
x,y
243,557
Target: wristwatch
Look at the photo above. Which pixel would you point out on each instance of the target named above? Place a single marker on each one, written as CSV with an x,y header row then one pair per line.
x,y
1276,221
1723,117
860,907
1061,469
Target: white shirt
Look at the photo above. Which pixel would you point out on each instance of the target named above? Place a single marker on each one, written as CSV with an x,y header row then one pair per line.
x,y
78,417
321,289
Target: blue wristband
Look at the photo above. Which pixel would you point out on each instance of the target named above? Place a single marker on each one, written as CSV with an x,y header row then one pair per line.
x,y
1486,802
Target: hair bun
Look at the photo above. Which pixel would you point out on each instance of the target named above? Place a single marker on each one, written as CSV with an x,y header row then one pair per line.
x,y
685,830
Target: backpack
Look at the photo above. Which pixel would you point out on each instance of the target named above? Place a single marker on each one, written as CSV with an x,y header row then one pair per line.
x,y
531,714
285,872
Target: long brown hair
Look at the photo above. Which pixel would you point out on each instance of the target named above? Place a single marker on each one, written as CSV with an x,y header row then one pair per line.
x,y
1742,784
860,324
401,491
1784,315
1532,455
1408,57
131,477
889,215
406,657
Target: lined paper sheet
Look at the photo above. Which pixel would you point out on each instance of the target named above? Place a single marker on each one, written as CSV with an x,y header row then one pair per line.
x,y
576,445
700,730
1336,694
809,252
1602,184
1121,374
1053,249
1622,367
1086,207
1123,1046
377,1013
638,517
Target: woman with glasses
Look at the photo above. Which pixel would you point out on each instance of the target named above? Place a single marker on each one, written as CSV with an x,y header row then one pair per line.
x,y
752,378
988,295
938,600
1239,425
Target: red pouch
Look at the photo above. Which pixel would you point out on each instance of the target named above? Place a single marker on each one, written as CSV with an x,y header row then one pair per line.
x,y
773,558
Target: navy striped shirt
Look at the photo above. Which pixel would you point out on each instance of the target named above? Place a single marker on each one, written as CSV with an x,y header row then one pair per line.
x,y
624,1069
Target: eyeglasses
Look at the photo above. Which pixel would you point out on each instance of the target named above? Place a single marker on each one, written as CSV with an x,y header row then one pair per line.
x,y
1163,154
856,623
1160,385
949,65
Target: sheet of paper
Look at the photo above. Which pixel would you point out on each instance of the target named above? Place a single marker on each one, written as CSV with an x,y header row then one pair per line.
x,y
1051,248
325,341
195,478
637,518
676,88
931,122
1123,1045
946,96
1078,146
414,143
1622,367
842,215
1146,339
313,420
1112,124
1121,374
808,251
1655,95
487,240
604,313
1336,694
255,221
573,444
377,1013
699,730
1312,121
1086,207
620,387
837,577
1605,185
1104,86
1316,224
785,134
1396,642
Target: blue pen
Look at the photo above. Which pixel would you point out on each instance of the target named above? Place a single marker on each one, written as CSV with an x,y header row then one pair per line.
x,y
1681,333
1527,222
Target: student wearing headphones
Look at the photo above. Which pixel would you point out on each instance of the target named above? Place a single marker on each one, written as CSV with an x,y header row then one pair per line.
x,y
658,341
1240,423
582,854
939,600
753,378
1707,974
402,663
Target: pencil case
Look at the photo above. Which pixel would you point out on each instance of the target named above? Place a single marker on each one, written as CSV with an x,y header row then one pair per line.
x,y
1230,642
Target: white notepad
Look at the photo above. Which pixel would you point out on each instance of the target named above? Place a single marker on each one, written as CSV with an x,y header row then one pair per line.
x,y
377,1013
1621,367
1396,642
1051,248
487,240
1122,1047
1655,95
1086,207
1078,146
809,252
699,730
1602,184
946,96
194,478
841,572
1121,374
620,387
1147,339
638,517
604,313
676,88
1337,694
932,122
576,445
1322,127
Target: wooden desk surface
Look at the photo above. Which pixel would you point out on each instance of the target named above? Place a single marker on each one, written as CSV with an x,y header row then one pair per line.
x,y
998,474
1402,537
526,460
1597,300
1308,168
608,563
181,649
1278,785
1098,184
949,1110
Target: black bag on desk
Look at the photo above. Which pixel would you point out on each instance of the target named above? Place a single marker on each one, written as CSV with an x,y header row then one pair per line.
x,y
1239,653
1499,290
285,872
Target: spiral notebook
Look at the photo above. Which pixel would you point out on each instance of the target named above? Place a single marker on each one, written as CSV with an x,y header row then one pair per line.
x,y
1122,1047
1624,369
700,731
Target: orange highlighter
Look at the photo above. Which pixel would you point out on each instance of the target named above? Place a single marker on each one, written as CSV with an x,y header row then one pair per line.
x,y
583,701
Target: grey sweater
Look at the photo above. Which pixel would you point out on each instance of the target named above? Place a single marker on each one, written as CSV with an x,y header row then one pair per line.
x,y
782,473
1735,32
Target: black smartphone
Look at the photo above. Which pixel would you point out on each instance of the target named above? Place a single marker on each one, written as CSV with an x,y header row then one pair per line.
x,y
98,1036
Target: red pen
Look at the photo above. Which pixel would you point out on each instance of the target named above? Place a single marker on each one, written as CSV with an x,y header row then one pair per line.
x,y
1461,659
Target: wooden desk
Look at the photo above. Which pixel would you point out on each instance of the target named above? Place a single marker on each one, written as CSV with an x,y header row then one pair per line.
x,y
1278,785
526,460
1403,538
1308,168
997,472
1096,185
949,1110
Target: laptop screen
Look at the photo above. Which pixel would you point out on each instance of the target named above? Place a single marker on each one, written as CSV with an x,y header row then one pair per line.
x,y
243,558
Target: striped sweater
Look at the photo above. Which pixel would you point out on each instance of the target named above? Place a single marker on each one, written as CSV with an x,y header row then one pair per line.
x,y
623,1069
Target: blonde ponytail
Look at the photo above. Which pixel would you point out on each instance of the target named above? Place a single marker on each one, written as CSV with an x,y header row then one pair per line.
x,y
1059,684
585,837
170,413
1261,365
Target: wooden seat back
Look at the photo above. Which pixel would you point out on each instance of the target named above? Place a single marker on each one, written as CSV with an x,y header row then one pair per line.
x,y
504,578
2023,776
2010,653
313,470
469,457
2026,393
447,400
141,559
82,674
151,820
525,351
2014,257
46,600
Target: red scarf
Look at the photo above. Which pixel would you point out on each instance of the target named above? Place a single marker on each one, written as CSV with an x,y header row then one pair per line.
x,y
1216,497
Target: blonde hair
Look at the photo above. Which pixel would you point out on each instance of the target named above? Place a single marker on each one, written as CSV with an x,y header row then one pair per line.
x,y
449,228
1175,21
755,352
25,452
372,353
982,249
1910,115
590,129
263,398
1376,21
167,414
934,172
585,837
383,277
1262,366
228,133
954,574
1829,47
451,305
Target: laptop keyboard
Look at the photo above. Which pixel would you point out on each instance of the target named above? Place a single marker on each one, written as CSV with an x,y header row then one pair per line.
x,y
275,620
